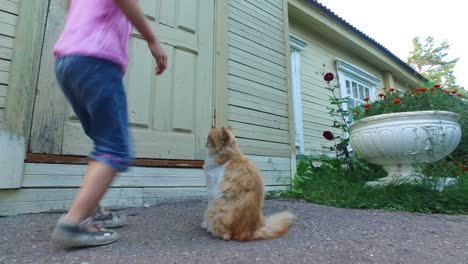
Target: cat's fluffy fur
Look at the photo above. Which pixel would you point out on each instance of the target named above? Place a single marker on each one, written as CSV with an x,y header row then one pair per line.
x,y
236,194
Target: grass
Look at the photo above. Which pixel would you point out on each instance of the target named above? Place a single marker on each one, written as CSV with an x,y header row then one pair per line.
x,y
335,185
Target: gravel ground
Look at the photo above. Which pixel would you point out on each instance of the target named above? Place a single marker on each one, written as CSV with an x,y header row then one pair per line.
x,y
171,233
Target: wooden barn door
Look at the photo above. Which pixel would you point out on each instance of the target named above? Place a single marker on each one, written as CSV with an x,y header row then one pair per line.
x,y
170,115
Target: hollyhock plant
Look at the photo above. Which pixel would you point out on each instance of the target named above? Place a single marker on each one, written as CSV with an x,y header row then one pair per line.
x,y
328,77
328,135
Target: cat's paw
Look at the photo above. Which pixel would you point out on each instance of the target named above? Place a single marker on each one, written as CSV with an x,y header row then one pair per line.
x,y
227,236
204,225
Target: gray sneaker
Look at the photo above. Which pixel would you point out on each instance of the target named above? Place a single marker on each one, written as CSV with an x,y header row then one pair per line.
x,y
107,219
71,235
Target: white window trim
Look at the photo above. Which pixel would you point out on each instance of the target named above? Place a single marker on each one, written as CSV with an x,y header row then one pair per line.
x,y
346,69
297,45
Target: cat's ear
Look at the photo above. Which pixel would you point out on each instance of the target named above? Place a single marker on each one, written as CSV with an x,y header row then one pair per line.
x,y
225,135
229,128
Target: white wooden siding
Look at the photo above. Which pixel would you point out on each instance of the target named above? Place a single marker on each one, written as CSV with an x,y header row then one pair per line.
x,y
8,20
257,93
317,57
49,187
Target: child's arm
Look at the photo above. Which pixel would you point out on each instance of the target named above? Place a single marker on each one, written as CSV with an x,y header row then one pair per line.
x,y
133,12
67,5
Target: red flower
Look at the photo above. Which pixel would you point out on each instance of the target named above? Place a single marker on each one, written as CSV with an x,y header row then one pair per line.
x,y
328,135
437,85
367,106
392,90
422,89
459,94
328,77
366,99
397,101
381,95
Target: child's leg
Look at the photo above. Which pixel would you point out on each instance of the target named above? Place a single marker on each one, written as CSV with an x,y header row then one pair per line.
x,y
95,90
97,179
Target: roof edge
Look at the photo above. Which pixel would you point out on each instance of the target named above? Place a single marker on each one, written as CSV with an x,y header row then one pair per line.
x,y
365,37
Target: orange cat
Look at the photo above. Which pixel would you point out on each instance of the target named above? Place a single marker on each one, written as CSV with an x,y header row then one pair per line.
x,y
235,193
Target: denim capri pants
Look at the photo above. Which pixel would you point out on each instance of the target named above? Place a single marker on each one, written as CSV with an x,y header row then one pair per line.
x,y
94,88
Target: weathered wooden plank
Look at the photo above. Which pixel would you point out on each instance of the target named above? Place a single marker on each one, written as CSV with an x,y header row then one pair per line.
x,y
248,84
4,77
7,29
169,145
8,18
319,118
62,159
3,90
260,133
242,99
66,181
252,105
153,196
254,48
252,41
256,147
5,65
9,6
264,163
250,116
256,7
275,4
22,81
255,19
50,108
263,93
44,200
256,62
275,170
251,74
6,47
252,33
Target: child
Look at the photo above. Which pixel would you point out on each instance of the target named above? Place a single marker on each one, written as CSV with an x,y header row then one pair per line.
x,y
91,59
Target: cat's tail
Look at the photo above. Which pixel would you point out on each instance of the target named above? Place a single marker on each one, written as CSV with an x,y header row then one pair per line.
x,y
276,225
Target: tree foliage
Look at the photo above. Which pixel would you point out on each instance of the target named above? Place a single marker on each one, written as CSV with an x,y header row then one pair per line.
x,y
430,60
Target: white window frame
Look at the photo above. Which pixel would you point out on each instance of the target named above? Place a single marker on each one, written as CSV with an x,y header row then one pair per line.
x,y
297,45
348,71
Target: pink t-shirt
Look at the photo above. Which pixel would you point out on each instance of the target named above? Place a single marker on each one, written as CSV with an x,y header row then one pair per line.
x,y
95,28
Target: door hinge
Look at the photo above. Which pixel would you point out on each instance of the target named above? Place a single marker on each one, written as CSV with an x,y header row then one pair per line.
x,y
213,119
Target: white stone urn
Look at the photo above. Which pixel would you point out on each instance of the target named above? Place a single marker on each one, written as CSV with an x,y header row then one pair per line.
x,y
399,140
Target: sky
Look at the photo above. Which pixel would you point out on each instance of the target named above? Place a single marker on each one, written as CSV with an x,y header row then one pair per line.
x,y
394,24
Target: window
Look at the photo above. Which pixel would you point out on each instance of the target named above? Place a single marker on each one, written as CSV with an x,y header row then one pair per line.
x,y
356,84
297,45
357,91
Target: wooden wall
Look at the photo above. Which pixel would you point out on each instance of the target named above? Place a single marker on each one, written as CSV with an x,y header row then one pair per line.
x,y
49,187
257,88
317,57
8,21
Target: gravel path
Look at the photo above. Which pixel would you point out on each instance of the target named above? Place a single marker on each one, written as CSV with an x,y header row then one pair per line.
x,y
170,233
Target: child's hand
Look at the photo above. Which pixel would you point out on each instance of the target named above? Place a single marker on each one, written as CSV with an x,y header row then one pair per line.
x,y
159,55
